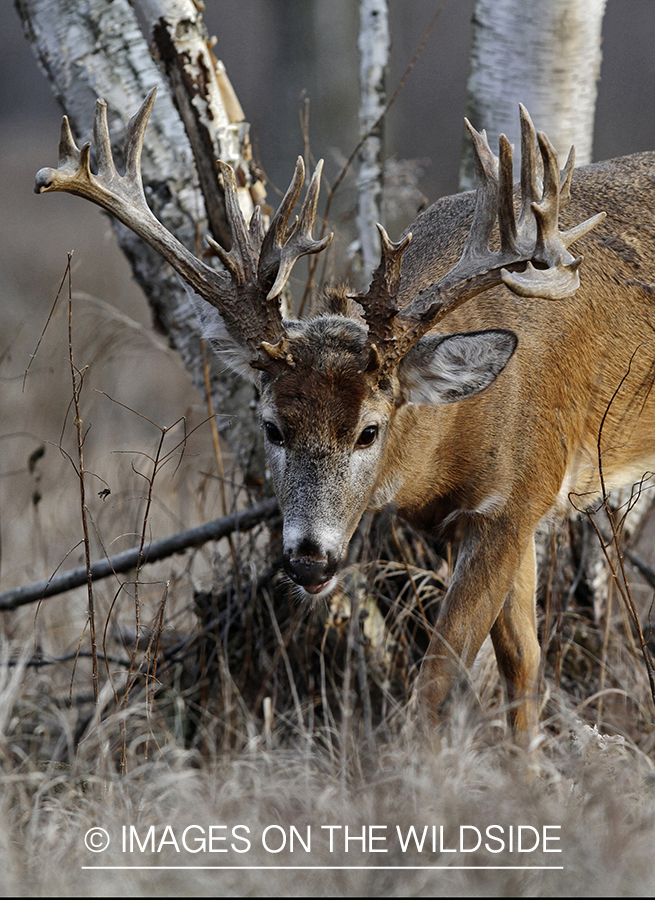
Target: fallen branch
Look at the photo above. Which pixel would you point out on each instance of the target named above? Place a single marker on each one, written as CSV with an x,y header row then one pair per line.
x,y
128,559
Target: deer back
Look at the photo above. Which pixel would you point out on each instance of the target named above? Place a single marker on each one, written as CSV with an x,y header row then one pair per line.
x,y
576,398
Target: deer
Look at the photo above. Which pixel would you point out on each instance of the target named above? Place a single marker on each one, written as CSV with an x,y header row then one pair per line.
x,y
539,389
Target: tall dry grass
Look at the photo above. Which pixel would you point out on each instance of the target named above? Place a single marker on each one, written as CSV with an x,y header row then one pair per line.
x,y
598,794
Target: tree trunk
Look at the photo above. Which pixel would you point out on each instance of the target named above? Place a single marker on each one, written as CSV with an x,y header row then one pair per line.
x,y
98,48
374,58
543,53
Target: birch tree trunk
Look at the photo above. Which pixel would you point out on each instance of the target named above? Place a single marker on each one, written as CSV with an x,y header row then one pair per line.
x,y
543,53
373,45
102,48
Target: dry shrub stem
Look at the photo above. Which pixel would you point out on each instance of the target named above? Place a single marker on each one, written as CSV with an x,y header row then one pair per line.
x,y
64,279
150,659
77,380
619,575
549,615
287,664
158,461
605,653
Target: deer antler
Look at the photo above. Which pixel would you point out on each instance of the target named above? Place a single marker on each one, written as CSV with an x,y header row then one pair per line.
x,y
551,272
258,265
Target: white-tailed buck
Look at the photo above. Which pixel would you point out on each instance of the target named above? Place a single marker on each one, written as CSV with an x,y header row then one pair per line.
x,y
479,434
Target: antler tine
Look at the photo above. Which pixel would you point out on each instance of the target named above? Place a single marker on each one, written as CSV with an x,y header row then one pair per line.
x,y
282,246
387,275
546,211
379,302
104,158
578,231
506,217
530,187
136,130
256,230
486,197
307,217
241,260
565,179
69,152
299,240
278,227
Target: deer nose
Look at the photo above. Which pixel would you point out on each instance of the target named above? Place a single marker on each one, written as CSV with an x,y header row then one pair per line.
x,y
311,569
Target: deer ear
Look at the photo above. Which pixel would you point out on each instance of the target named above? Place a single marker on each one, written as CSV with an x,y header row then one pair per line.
x,y
444,368
212,327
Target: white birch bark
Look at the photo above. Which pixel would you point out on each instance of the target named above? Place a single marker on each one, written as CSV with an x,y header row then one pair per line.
x,y
545,54
96,48
374,58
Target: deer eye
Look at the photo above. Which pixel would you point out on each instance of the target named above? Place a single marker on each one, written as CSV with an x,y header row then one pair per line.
x,y
367,437
274,434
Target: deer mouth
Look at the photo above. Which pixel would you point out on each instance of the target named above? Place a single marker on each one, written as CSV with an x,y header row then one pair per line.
x,y
320,590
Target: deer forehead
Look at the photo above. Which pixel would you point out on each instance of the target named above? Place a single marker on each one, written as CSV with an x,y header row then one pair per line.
x,y
325,393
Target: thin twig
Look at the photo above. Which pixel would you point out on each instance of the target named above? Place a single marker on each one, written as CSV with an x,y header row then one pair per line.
x,y
47,321
219,464
159,459
150,662
282,644
621,580
77,381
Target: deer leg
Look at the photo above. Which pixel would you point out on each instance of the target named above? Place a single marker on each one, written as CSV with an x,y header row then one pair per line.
x,y
515,640
488,564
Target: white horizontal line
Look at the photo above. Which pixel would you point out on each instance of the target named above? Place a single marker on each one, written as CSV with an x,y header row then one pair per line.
x,y
320,868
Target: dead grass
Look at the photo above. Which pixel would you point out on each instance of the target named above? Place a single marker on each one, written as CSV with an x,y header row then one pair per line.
x,y
598,793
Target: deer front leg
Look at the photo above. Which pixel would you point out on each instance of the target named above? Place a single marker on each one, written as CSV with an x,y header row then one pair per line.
x,y
515,640
493,579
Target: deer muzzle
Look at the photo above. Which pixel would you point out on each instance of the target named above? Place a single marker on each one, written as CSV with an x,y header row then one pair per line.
x,y
311,568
